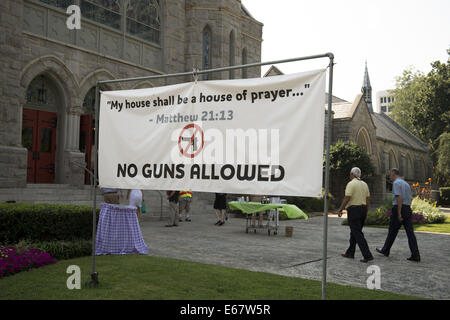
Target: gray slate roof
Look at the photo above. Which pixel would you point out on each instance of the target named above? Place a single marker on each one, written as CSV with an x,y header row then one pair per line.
x,y
390,130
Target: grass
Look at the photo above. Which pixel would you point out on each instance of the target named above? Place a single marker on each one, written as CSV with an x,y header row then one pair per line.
x,y
146,277
432,227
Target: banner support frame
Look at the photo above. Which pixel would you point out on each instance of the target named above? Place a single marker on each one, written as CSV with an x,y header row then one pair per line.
x,y
196,72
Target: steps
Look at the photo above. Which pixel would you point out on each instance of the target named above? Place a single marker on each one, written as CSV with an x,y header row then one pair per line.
x,y
156,202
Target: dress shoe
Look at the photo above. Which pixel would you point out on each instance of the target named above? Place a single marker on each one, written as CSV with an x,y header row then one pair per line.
x,y
346,255
381,252
366,260
415,259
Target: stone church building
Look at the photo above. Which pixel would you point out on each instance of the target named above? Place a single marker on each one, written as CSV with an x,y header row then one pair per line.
x,y
388,144
48,74
49,71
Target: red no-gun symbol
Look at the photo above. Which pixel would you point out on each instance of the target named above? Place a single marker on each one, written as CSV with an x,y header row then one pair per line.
x,y
189,143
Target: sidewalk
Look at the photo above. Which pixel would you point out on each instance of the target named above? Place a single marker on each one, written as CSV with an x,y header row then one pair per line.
x,y
301,255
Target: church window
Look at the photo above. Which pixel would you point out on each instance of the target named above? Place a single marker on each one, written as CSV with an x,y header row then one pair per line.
x,y
63,4
106,12
244,61
363,140
383,108
143,20
231,53
40,92
206,51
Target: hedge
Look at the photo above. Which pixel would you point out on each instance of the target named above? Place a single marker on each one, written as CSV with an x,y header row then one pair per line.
x,y
444,194
309,204
44,222
61,249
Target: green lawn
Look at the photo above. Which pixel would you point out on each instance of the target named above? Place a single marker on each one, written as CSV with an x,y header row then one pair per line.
x,y
145,277
436,227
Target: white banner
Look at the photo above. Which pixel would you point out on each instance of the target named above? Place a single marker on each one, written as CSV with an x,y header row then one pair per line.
x,y
249,136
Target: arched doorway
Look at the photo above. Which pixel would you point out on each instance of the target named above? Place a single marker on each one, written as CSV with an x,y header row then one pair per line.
x,y
39,129
87,132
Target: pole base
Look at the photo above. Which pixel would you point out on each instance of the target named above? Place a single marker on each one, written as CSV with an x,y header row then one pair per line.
x,y
94,280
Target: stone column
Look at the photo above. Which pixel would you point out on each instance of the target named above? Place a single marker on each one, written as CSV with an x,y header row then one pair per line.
x,y
73,158
13,157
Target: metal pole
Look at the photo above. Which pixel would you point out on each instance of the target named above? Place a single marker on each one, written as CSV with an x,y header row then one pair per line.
x,y
327,167
327,182
189,73
94,275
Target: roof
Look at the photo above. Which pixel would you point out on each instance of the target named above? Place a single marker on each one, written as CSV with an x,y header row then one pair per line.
x,y
334,99
343,109
388,129
273,71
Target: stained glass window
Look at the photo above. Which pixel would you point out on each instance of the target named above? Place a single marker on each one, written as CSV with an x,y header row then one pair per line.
x,y
106,12
206,51
89,102
143,19
244,61
231,53
63,4
41,92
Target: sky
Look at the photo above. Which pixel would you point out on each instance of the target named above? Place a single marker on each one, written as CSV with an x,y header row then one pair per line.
x,y
390,35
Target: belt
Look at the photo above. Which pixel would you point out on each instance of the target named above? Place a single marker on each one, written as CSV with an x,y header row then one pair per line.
x,y
361,205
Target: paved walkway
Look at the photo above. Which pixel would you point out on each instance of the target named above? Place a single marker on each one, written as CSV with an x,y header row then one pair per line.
x,y
300,256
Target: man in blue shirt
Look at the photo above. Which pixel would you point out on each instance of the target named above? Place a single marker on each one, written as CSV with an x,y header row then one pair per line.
x,y
401,214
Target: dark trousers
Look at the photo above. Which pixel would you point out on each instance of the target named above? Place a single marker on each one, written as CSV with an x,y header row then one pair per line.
x,y
356,216
394,226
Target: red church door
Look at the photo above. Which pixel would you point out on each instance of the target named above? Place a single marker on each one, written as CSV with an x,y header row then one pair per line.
x,y
39,137
86,140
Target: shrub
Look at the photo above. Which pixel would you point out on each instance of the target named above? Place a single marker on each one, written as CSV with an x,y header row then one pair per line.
x,y
44,222
424,212
61,249
310,204
345,156
14,260
444,194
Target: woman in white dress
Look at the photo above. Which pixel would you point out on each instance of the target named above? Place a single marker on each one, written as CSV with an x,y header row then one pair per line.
x,y
135,197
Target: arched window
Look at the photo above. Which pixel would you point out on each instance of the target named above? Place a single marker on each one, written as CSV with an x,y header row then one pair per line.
x,y
231,54
206,55
107,12
244,61
42,93
143,19
392,160
410,168
363,140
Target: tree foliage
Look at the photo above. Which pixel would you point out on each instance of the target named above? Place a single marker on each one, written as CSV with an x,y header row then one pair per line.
x,y
422,103
443,159
343,157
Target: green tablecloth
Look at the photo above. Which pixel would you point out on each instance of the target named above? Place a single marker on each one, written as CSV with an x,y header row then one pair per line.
x,y
292,211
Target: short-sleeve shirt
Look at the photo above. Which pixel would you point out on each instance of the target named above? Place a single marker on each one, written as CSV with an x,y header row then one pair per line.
x,y
358,191
401,188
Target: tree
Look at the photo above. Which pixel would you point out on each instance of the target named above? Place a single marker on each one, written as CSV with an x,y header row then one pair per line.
x,y
422,103
343,157
443,160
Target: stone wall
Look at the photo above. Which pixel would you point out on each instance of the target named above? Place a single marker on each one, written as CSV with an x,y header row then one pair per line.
x,y
12,154
34,41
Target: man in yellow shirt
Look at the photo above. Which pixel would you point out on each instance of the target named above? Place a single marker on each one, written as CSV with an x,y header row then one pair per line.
x,y
357,202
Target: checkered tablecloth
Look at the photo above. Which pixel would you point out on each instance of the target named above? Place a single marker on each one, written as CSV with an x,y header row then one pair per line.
x,y
118,231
